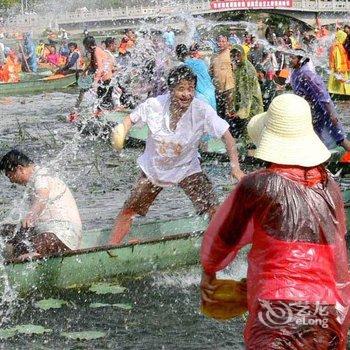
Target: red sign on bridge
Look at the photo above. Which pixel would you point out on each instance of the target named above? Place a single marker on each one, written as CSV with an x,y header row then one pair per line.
x,y
249,4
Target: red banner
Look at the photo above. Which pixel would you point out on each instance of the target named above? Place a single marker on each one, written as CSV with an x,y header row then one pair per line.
x,y
249,4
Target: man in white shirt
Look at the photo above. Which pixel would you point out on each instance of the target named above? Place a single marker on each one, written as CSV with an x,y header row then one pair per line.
x,y
53,217
176,121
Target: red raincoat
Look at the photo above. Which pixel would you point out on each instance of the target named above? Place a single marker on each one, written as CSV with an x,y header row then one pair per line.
x,y
298,279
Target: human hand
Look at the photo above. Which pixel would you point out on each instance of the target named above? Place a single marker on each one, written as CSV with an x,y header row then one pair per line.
x,y
207,288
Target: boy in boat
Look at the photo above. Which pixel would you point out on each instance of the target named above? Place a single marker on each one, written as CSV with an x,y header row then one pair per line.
x,y
176,121
75,62
52,220
293,214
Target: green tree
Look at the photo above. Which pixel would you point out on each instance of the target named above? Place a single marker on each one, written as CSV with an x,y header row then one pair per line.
x,y
8,3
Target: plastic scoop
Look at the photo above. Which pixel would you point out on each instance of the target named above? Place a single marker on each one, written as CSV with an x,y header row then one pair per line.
x,y
118,137
230,300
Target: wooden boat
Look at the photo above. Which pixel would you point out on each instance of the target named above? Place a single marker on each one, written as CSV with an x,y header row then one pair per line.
x,y
163,245
36,83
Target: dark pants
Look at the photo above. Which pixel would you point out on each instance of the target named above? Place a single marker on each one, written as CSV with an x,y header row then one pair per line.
x,y
105,92
224,102
26,241
197,187
238,127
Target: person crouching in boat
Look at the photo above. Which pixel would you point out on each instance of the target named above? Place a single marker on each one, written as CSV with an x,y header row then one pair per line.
x,y
176,122
52,222
75,62
292,213
306,83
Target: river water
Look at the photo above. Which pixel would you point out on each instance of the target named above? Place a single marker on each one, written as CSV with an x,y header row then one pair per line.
x,y
165,312
165,306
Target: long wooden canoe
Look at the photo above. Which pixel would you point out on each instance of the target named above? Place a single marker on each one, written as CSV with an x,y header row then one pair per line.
x,y
168,244
37,84
164,245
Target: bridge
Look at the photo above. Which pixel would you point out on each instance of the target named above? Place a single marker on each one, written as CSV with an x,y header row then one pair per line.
x,y
306,11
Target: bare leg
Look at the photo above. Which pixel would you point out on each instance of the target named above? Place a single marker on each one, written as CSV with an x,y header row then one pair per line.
x,y
80,98
122,226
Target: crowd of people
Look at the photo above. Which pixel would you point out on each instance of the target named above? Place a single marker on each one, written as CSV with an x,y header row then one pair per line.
x,y
269,95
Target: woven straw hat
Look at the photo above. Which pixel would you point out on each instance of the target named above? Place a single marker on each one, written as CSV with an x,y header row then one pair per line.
x,y
285,135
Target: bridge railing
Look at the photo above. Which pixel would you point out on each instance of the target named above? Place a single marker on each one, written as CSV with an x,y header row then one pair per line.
x,y
321,5
129,12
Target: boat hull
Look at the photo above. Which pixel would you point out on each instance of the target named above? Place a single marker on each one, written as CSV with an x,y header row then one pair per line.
x,y
164,245
36,86
85,267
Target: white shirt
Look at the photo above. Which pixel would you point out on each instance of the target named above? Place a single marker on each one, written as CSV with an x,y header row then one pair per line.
x,y
61,214
170,156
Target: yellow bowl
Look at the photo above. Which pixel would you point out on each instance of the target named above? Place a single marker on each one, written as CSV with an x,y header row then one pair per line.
x,y
118,137
230,300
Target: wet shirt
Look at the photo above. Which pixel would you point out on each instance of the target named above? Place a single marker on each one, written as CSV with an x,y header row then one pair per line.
x,y
61,210
104,65
170,156
309,85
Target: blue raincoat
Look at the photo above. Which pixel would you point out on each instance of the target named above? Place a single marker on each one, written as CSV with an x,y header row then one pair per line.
x,y
205,89
29,51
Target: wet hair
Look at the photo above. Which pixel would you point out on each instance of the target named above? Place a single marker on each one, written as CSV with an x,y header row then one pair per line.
x,y
11,160
73,44
181,51
180,73
89,41
302,56
109,41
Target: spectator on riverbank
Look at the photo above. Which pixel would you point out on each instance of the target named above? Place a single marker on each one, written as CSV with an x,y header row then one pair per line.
x,y
247,94
223,78
307,84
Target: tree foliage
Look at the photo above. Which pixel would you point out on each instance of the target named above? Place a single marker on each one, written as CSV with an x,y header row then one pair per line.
x,y
8,3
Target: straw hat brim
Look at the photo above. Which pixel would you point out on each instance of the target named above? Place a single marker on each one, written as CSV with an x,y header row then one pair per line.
x,y
301,150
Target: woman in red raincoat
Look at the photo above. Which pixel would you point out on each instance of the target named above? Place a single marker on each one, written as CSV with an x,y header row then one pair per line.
x,y
292,213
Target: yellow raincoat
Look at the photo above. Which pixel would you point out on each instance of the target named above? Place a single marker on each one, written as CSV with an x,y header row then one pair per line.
x,y
338,63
